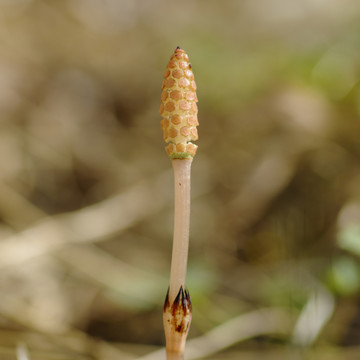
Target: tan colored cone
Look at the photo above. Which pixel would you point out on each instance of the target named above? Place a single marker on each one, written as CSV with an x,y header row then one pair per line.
x,y
178,107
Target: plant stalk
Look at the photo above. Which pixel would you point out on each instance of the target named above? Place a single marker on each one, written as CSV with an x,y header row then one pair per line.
x,y
182,170
177,307
174,356
179,121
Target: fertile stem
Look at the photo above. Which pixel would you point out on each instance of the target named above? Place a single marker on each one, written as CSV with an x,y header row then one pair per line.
x,y
179,111
177,307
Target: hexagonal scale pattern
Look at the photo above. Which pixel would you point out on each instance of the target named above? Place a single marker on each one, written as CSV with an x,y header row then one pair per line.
x,y
178,107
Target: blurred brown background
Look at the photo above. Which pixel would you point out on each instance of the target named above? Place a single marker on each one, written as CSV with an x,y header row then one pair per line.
x,y
86,187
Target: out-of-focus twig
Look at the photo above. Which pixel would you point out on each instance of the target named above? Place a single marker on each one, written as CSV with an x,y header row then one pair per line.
x,y
21,352
75,345
314,316
89,224
126,280
307,128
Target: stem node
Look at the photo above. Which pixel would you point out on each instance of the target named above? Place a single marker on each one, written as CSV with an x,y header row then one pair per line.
x,y
177,319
